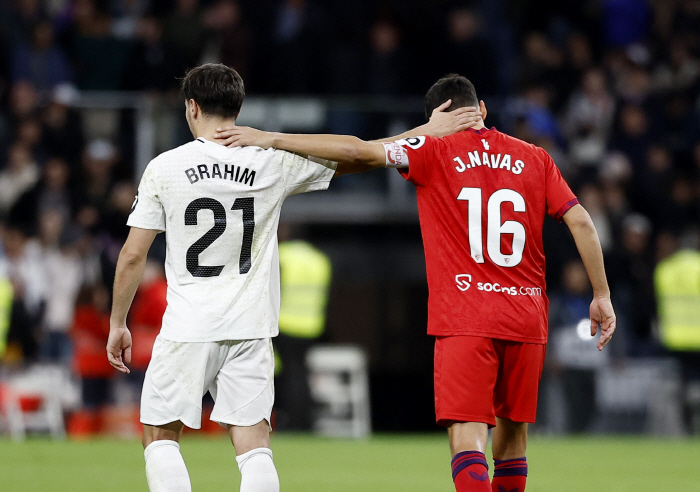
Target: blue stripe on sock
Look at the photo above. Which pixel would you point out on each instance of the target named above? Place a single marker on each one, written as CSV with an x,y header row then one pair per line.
x,y
460,462
510,468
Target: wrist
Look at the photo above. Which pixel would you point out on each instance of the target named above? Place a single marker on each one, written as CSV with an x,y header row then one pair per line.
x,y
274,140
601,294
425,129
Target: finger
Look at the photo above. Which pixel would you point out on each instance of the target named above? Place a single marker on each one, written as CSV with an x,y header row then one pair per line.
x,y
470,110
111,358
443,106
467,120
117,364
227,133
127,354
464,126
594,327
461,111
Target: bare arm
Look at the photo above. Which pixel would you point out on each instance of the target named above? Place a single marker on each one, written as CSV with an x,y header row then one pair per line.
x,y
588,245
352,154
130,265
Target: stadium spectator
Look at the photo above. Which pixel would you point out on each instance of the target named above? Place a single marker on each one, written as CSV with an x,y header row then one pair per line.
x,y
25,271
387,62
625,21
42,62
62,133
5,309
90,42
305,275
63,273
51,193
678,293
155,64
89,332
183,29
20,175
568,307
632,134
631,277
588,119
468,50
290,61
99,159
228,38
24,101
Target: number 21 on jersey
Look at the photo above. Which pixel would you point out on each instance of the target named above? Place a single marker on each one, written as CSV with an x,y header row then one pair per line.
x,y
494,228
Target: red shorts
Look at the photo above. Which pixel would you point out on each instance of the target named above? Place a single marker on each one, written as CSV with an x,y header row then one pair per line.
x,y
478,379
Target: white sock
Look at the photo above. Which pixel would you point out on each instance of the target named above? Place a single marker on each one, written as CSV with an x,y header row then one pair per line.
x,y
165,468
258,473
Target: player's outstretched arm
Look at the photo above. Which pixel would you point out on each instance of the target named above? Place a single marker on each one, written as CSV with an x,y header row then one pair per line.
x,y
130,265
588,245
351,153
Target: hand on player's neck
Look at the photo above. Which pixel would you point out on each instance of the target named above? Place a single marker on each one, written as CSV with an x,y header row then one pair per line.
x,y
207,128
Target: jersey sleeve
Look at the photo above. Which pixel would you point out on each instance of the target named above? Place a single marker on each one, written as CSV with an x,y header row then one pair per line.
x,y
303,174
411,156
559,196
147,211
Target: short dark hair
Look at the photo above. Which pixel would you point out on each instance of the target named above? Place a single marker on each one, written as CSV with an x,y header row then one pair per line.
x,y
217,89
452,86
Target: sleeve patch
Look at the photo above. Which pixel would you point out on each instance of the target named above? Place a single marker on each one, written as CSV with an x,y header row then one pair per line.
x,y
559,216
413,142
396,155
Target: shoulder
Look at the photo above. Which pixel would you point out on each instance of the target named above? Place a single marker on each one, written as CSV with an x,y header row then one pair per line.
x,y
176,154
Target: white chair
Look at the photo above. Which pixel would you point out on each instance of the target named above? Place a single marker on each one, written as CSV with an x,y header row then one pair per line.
x,y
33,400
340,389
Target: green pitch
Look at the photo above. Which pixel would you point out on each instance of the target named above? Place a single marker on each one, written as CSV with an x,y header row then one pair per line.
x,y
403,463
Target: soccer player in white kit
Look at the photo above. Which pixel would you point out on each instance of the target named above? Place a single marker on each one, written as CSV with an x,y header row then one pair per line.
x,y
220,208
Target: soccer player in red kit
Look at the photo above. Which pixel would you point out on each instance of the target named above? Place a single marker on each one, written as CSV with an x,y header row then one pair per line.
x,y
482,198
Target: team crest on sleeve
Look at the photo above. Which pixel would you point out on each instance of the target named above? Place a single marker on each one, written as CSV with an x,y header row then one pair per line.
x,y
413,142
396,155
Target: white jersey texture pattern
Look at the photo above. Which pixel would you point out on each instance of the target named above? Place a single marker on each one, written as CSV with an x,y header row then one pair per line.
x,y
220,209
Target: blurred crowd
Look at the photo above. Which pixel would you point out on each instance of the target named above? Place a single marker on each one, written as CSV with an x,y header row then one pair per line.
x,y
611,88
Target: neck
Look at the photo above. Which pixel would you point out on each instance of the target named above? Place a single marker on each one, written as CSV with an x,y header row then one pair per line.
x,y
207,128
479,126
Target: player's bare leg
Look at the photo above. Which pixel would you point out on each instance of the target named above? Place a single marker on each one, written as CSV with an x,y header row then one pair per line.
x,y
509,441
254,457
468,442
165,468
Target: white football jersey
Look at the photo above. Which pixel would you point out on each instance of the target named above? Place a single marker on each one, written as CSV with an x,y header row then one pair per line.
x,y
220,209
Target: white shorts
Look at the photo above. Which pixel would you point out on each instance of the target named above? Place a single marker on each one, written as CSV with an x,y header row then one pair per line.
x,y
239,374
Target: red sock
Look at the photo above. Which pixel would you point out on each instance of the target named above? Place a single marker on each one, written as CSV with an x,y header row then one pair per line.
x,y
509,475
470,472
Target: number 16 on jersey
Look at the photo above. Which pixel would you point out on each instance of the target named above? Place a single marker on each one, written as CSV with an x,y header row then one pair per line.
x,y
494,228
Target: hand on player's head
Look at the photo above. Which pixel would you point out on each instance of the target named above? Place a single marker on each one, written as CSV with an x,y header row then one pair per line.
x,y
443,123
240,136
602,313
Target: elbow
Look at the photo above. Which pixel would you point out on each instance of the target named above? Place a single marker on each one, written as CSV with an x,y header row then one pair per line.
x,y
356,152
581,221
130,258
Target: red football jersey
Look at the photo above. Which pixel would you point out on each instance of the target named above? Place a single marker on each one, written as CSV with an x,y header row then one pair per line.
x,y
482,198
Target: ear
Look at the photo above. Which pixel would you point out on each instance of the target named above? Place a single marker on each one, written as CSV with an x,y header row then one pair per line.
x,y
194,108
482,108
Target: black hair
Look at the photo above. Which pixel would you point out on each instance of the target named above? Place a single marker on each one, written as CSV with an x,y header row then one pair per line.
x,y
217,89
452,86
